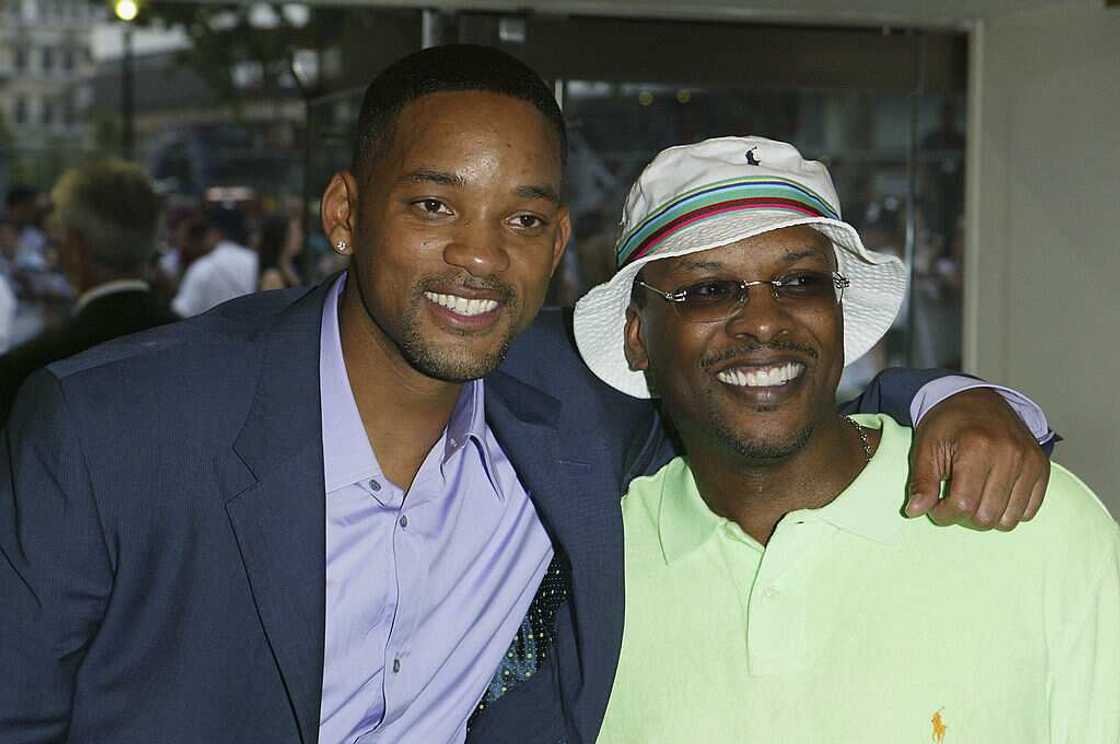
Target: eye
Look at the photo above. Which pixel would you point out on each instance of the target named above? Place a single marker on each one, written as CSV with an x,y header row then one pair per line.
x,y
527,221
709,293
805,284
432,206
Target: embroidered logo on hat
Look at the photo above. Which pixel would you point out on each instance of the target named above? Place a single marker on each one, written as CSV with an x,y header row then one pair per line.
x,y
751,159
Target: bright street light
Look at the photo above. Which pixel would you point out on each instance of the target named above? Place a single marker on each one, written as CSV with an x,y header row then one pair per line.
x,y
126,10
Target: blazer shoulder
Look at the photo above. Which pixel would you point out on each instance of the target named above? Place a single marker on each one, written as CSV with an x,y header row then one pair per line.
x,y
546,357
228,325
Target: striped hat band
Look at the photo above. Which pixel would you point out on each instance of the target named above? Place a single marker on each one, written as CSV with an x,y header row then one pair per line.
x,y
735,195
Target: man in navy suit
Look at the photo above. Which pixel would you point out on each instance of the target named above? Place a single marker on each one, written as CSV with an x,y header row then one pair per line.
x,y
382,509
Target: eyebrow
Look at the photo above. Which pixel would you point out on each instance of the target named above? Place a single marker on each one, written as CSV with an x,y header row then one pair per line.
x,y
425,175
538,192
699,264
806,253
694,264
443,178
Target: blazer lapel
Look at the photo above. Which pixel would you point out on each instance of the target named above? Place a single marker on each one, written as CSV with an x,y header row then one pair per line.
x,y
575,486
275,500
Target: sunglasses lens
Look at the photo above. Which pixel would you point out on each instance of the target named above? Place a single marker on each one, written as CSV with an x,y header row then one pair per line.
x,y
711,300
806,285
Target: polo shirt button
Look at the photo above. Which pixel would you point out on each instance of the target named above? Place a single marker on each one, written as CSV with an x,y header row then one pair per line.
x,y
770,592
403,521
396,665
374,485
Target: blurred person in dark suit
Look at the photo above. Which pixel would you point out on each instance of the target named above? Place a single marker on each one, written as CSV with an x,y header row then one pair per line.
x,y
107,214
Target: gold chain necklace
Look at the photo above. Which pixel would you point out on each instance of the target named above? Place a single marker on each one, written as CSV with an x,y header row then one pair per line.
x,y
863,441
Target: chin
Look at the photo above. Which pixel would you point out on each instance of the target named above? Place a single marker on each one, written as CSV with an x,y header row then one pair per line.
x,y
455,364
767,449
767,436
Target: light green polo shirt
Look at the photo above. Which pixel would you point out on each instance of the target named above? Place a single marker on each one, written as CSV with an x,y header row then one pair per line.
x,y
859,626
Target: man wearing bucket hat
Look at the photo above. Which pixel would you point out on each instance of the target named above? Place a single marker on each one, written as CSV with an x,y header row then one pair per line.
x,y
773,589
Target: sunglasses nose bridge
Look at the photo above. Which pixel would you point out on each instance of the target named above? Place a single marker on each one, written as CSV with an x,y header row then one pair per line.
x,y
745,290
743,297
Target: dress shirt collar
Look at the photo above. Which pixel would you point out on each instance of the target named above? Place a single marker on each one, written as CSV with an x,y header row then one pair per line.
x,y
108,288
684,521
347,455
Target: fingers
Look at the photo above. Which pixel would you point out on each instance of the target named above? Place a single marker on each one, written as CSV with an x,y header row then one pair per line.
x,y
924,490
1017,504
1038,490
929,465
964,495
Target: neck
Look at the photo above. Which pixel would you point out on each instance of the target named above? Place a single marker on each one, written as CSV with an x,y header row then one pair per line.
x,y
404,412
756,494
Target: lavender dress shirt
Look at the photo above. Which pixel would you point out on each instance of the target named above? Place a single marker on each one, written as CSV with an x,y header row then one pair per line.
x,y
425,588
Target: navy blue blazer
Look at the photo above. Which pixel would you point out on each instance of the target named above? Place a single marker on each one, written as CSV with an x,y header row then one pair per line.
x,y
162,532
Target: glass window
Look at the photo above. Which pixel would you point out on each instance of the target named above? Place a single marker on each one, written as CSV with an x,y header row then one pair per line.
x,y
48,59
20,113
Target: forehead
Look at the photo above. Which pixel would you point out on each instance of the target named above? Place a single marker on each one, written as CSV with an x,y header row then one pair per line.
x,y
452,124
775,248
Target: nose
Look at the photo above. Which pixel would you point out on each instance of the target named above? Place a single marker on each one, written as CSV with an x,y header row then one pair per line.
x,y
478,250
761,317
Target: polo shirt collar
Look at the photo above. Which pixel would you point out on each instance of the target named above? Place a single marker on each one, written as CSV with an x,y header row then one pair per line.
x,y
864,508
684,521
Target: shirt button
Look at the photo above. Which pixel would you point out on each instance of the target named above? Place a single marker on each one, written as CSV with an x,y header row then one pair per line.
x,y
403,521
396,665
374,485
770,592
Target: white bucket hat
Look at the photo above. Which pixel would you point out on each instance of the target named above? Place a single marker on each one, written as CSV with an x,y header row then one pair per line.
x,y
697,197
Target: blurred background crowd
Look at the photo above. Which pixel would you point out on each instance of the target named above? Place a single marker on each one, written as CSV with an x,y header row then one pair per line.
x,y
237,113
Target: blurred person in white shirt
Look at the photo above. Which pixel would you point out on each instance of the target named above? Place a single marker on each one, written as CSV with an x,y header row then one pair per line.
x,y
229,270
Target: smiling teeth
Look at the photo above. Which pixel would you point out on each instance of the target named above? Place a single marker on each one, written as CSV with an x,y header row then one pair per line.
x,y
461,305
766,377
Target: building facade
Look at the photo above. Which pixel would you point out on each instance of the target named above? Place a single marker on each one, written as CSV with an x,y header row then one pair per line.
x,y
45,66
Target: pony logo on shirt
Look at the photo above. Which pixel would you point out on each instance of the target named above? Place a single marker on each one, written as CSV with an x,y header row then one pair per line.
x,y
939,727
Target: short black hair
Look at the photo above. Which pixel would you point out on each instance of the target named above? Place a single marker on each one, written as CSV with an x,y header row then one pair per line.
x,y
229,221
449,68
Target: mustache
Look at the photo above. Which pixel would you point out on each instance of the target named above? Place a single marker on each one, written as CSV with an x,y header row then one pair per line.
x,y
453,280
744,349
